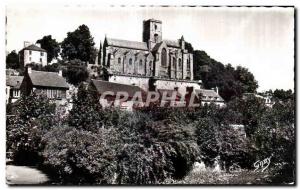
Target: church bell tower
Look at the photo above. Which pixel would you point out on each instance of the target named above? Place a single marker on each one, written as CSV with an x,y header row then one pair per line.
x,y
152,32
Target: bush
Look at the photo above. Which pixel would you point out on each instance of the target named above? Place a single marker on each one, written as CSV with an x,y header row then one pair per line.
x,y
82,157
31,117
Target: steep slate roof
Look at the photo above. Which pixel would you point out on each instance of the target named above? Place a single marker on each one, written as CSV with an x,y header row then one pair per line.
x,y
172,43
14,81
47,79
105,86
34,48
209,93
127,44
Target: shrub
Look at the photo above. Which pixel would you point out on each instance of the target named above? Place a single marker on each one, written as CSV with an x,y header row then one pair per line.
x,y
82,157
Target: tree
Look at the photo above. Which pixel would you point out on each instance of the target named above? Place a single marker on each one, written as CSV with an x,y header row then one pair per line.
x,y
231,82
51,46
246,78
78,44
75,72
12,60
283,95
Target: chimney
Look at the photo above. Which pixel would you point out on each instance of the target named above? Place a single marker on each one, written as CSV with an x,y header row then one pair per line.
x,y
38,44
60,72
217,90
26,44
29,69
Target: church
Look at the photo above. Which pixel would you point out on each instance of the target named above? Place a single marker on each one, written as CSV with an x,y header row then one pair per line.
x,y
155,64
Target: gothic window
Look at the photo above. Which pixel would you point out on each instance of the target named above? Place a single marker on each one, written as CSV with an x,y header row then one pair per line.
x,y
174,62
130,61
179,64
119,60
164,57
188,65
141,63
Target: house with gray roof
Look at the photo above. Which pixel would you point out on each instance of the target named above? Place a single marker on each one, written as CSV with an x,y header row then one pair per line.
x,y
32,54
13,84
51,84
207,97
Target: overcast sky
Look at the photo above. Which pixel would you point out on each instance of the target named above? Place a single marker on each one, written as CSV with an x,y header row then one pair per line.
x,y
261,39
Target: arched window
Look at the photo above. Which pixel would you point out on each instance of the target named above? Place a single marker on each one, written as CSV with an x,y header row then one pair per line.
x,y
164,57
119,60
174,62
141,63
179,64
150,64
130,61
188,65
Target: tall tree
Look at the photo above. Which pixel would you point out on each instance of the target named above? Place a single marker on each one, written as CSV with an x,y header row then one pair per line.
x,y
51,46
12,60
78,45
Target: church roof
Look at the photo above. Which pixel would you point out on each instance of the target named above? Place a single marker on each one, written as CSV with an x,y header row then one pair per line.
x,y
127,44
172,43
34,48
105,86
156,47
14,81
47,79
209,93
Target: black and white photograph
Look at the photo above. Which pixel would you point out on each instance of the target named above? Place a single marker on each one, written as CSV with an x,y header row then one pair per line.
x,y
150,95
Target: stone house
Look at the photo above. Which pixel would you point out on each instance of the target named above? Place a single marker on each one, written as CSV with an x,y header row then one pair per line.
x,y
13,84
32,53
51,84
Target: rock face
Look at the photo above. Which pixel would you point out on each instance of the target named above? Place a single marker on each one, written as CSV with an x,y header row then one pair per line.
x,y
21,175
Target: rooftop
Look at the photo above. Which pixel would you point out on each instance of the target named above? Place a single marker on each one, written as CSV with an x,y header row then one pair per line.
x,y
127,44
14,81
105,86
34,48
47,79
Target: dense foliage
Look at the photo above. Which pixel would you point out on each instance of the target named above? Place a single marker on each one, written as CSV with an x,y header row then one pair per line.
x,y
51,46
232,82
78,44
12,60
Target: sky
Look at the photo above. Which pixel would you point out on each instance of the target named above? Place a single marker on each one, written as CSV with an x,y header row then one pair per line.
x,y
258,38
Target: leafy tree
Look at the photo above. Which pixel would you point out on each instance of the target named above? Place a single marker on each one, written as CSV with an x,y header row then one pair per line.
x,y
51,46
78,44
283,95
31,117
246,78
75,72
231,82
12,60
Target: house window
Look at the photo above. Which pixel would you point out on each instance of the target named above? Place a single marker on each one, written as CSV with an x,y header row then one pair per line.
x,y
42,53
41,60
30,52
16,93
155,38
29,58
155,27
164,57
